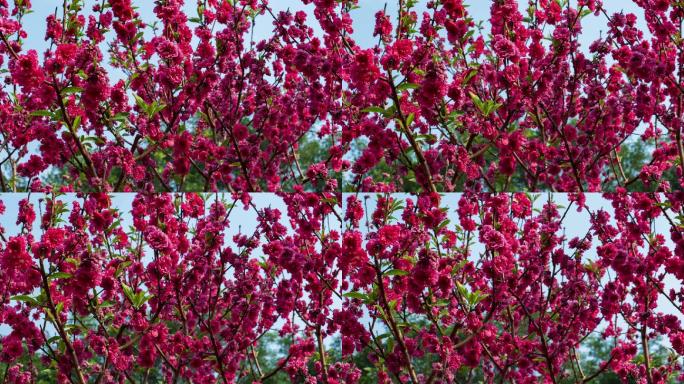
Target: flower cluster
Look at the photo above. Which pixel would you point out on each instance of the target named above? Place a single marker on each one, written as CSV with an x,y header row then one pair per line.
x,y
499,292
202,105
424,289
532,102
317,281
184,293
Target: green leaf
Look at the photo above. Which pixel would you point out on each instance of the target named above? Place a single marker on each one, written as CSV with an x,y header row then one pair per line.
x,y
150,109
467,36
462,289
469,77
40,113
409,119
373,110
112,226
485,107
430,138
54,339
121,116
476,100
404,86
441,303
443,224
139,299
356,295
72,261
329,200
592,267
71,90
476,297
140,102
156,108
128,291
25,298
491,107
59,275
396,272
76,122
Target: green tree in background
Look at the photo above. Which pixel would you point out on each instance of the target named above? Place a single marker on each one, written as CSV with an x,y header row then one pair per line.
x,y
311,151
634,154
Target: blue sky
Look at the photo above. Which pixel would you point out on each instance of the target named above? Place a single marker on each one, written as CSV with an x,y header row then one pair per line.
x,y
241,220
364,17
